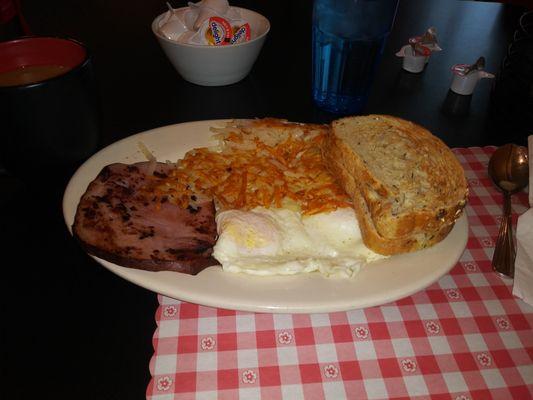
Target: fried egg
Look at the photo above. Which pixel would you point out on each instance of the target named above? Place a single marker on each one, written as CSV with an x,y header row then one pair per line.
x,y
279,241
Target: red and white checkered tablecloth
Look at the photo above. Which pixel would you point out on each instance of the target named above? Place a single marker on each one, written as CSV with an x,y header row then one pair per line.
x,y
464,337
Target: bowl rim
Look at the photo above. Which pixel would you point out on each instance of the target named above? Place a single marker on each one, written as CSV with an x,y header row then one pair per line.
x,y
203,46
86,60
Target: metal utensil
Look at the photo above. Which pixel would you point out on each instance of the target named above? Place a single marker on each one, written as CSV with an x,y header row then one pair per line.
x,y
508,169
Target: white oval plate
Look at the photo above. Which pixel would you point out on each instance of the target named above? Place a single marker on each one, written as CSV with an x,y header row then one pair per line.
x,y
378,283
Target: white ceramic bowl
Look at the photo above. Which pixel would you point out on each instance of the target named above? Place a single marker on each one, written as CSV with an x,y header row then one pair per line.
x,y
216,65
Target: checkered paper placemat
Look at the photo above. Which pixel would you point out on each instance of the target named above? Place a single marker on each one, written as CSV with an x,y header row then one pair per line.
x,y
464,337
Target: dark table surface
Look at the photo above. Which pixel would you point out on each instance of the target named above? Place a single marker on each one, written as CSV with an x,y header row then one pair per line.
x,y
72,329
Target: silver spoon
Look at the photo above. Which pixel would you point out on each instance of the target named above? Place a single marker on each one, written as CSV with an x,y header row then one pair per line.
x,y
508,169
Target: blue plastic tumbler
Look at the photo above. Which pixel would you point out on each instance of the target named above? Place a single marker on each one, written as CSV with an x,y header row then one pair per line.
x,y
348,41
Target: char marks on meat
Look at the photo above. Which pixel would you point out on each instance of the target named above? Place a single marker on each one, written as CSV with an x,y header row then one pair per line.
x,y
120,222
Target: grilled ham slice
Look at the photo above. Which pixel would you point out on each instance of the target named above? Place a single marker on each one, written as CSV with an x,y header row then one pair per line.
x,y
120,221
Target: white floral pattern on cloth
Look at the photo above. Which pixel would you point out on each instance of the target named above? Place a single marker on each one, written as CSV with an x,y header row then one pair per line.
x,y
331,371
453,294
170,311
284,337
361,332
484,359
249,376
498,219
503,323
474,182
470,266
487,242
432,327
408,365
164,383
462,397
208,343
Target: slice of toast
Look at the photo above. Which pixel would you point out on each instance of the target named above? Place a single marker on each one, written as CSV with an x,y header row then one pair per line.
x,y
408,188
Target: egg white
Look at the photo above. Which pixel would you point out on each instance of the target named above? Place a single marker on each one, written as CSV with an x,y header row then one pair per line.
x,y
280,241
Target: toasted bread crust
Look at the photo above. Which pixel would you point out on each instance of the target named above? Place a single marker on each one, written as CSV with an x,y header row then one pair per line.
x,y
407,186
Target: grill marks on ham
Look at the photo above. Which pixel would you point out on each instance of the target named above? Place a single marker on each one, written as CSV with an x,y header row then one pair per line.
x,y
120,221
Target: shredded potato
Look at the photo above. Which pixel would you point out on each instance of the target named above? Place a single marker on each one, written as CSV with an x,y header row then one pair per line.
x,y
147,153
249,170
